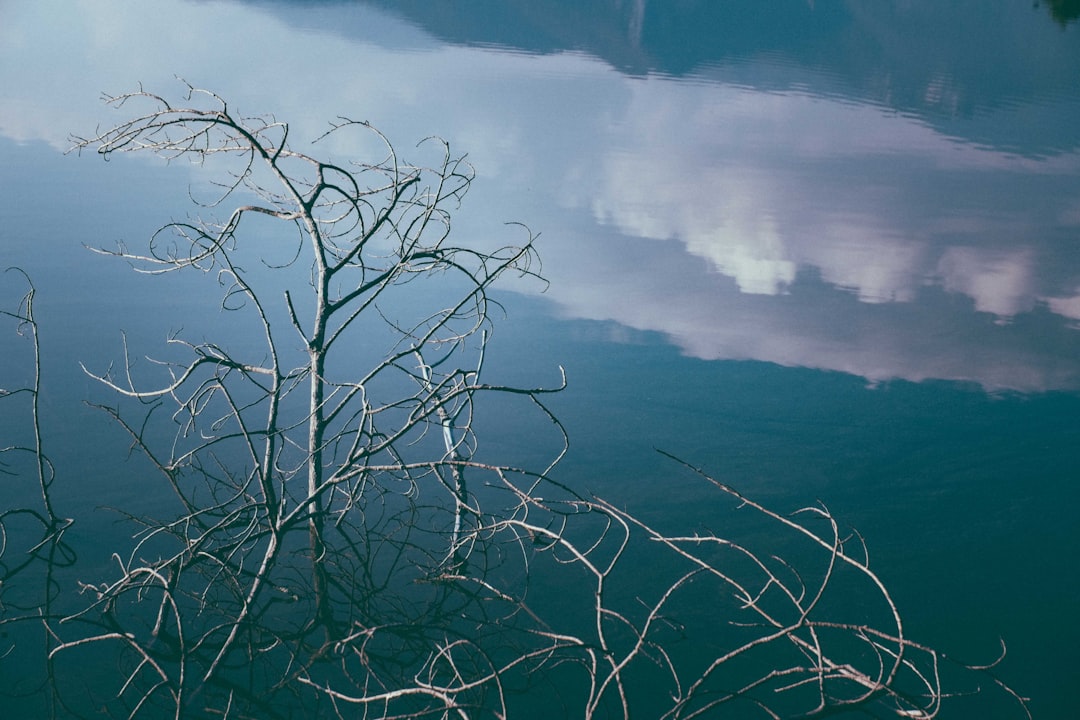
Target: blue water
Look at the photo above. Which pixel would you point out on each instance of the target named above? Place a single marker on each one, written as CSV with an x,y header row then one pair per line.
x,y
823,250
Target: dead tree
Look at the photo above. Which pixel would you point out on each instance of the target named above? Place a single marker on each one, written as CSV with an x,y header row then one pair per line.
x,y
338,547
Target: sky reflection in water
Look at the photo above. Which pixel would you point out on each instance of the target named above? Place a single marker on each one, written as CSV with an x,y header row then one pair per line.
x,y
768,207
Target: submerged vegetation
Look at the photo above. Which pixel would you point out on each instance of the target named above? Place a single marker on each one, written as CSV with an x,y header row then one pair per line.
x,y
333,542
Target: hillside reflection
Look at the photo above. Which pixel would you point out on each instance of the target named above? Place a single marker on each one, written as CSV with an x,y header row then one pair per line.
x,y
970,56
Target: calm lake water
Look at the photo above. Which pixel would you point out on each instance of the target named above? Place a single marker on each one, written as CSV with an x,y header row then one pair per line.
x,y
825,250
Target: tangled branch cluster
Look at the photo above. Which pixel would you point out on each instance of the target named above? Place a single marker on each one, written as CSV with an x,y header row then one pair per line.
x,y
339,547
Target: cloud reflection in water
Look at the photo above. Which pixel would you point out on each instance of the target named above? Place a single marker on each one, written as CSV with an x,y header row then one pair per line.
x,y
946,246
786,225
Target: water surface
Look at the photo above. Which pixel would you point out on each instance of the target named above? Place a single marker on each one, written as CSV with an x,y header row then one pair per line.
x,y
825,250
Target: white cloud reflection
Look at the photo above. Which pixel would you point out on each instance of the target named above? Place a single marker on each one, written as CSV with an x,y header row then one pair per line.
x,y
778,226
760,184
766,185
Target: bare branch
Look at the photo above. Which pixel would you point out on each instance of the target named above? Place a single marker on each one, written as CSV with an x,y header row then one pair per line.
x,y
341,546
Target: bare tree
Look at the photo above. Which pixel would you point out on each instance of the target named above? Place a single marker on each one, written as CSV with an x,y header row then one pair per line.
x,y
337,544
